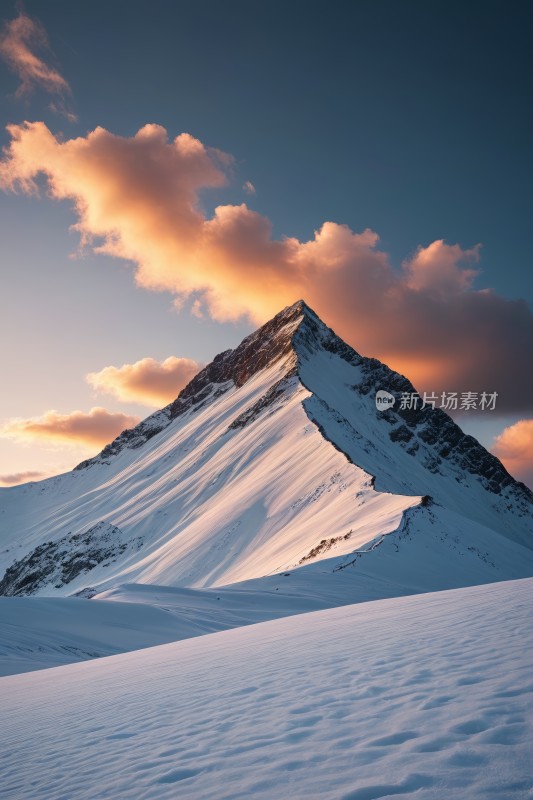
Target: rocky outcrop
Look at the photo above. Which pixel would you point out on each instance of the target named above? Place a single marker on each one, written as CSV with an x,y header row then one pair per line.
x,y
56,564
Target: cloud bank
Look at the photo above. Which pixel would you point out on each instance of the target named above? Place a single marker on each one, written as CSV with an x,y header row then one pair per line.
x,y
25,48
21,477
138,199
514,447
92,429
150,382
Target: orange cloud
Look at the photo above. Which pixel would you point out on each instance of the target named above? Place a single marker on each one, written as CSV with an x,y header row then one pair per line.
x,y
93,429
138,199
514,447
24,46
22,477
150,382
441,269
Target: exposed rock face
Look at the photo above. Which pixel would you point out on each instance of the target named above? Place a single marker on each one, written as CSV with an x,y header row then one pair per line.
x,y
267,402
437,429
55,564
432,426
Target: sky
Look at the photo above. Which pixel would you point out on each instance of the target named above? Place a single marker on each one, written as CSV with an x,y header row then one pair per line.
x,y
173,174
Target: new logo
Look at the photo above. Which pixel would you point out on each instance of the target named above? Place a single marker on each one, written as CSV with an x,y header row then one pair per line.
x,y
384,400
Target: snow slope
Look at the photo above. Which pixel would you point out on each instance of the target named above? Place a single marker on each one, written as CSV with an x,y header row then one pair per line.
x,y
428,696
39,632
210,506
274,457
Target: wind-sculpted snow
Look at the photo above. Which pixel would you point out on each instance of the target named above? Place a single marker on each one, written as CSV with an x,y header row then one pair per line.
x,y
428,697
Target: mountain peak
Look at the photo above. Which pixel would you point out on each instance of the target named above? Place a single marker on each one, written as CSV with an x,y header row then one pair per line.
x,y
273,456
297,308
269,344
295,342
292,316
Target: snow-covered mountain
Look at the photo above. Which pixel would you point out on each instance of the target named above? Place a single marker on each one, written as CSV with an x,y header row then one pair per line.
x,y
274,464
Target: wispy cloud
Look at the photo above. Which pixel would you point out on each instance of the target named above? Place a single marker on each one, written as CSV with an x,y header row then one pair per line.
x,y
514,447
248,187
150,382
91,429
25,48
138,199
22,477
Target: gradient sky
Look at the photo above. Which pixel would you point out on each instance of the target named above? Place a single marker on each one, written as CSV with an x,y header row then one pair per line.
x,y
412,119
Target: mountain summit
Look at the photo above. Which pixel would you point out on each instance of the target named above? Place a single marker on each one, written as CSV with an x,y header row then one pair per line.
x,y
274,342
275,460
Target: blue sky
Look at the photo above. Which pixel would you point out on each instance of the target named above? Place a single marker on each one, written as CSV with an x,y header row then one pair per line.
x,y
412,119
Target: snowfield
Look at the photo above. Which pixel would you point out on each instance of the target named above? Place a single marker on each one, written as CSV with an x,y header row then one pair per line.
x,y
428,696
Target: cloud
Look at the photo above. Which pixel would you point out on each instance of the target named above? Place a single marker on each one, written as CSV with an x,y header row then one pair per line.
x,y
441,269
137,199
514,447
92,429
22,477
25,48
150,382
248,187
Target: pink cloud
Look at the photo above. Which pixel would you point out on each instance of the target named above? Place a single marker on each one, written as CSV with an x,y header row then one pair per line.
x,y
514,447
150,382
138,199
21,477
92,429
25,48
440,269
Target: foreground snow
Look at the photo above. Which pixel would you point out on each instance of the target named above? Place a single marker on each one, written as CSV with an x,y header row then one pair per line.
x,y
428,696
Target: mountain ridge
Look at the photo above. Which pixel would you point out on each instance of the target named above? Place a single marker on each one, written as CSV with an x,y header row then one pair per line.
x,y
273,458
270,343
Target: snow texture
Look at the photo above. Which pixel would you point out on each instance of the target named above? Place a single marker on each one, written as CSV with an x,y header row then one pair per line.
x,y
429,696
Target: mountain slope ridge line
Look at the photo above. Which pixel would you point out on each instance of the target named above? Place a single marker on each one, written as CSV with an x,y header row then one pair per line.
x,y
268,459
